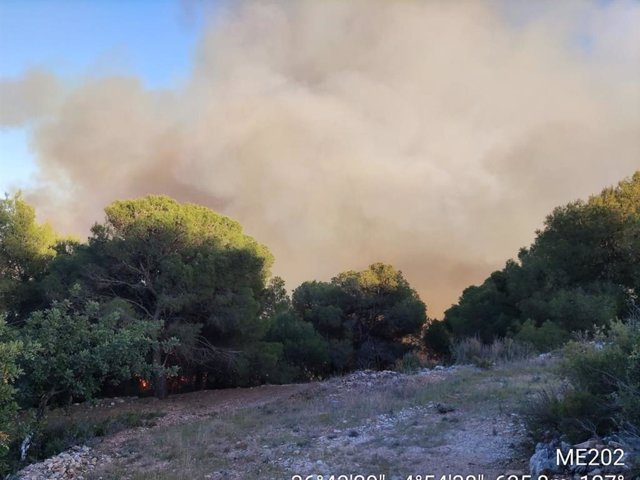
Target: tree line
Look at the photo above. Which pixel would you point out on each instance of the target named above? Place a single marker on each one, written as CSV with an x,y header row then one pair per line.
x,y
166,293
581,271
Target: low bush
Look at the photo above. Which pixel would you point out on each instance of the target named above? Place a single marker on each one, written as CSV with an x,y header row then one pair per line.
x,y
409,363
603,387
544,338
576,415
61,433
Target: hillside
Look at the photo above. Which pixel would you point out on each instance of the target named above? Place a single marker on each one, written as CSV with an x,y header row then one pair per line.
x,y
457,420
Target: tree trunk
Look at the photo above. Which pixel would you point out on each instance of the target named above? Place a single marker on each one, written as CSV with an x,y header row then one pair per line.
x,y
159,379
25,445
42,405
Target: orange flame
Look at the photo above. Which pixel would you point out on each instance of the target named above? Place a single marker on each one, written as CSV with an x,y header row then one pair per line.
x,y
144,384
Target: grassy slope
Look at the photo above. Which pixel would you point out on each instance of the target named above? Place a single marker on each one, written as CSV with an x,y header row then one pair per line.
x,y
394,427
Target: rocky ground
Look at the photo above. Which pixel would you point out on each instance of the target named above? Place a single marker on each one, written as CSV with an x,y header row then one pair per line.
x,y
75,463
457,420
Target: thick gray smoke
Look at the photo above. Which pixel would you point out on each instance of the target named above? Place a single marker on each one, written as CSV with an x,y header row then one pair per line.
x,y
434,135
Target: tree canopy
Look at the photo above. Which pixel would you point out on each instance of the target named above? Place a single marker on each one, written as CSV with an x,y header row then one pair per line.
x,y
26,248
182,265
178,293
365,316
582,270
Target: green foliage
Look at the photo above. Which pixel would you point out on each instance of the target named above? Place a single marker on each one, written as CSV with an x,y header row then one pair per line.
x,y
381,303
608,368
604,386
11,351
256,363
182,265
26,248
544,338
364,316
320,304
341,355
274,298
79,348
486,311
437,339
582,270
574,414
304,349
574,309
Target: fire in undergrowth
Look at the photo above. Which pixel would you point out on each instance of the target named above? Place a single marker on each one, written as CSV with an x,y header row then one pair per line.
x,y
143,384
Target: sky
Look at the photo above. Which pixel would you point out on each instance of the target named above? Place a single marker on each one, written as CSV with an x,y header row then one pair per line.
x,y
76,39
433,135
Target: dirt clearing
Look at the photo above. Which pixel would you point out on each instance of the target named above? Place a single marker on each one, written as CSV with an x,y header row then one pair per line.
x,y
460,420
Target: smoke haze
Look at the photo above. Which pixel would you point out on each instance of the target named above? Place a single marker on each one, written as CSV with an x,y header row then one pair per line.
x,y
26,98
431,135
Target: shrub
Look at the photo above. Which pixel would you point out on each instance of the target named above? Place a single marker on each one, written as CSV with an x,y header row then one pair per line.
x,y
378,354
604,387
544,338
81,348
340,355
258,364
10,352
574,414
608,367
61,433
304,350
409,363
437,339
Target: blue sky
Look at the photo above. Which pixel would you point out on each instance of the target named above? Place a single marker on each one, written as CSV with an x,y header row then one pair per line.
x,y
151,39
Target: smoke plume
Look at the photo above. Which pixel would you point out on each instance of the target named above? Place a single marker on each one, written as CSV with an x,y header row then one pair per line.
x,y
433,135
26,98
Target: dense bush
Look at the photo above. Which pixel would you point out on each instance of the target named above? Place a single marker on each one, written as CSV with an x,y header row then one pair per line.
x,y
365,317
603,387
79,347
255,364
174,294
183,265
11,351
437,339
305,352
544,338
582,270
576,415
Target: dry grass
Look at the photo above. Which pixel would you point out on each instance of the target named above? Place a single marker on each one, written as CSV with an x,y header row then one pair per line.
x,y
501,351
367,429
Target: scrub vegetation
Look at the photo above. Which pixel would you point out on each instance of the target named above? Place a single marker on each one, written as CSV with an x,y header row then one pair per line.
x,y
166,297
